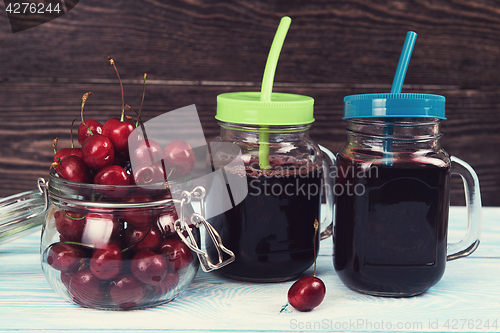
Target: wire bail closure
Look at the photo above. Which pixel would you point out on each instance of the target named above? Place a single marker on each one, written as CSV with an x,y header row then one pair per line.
x,y
198,193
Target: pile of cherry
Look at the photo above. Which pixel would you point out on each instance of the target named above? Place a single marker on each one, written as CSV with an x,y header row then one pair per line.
x,y
119,258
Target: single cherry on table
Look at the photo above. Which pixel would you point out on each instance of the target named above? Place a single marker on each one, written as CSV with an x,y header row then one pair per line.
x,y
308,292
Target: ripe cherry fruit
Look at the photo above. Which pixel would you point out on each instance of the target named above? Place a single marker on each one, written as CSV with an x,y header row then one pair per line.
x,y
179,159
87,128
64,257
112,175
149,174
70,224
126,291
98,152
62,153
145,152
149,267
168,284
176,252
86,289
75,169
118,132
308,292
145,238
106,262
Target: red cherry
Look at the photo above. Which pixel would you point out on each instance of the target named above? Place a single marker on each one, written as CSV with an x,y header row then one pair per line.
x,y
86,289
145,238
118,131
112,175
98,152
70,224
73,168
306,293
145,152
149,267
168,284
66,279
139,217
149,174
62,153
176,252
179,159
83,131
126,291
64,257
106,262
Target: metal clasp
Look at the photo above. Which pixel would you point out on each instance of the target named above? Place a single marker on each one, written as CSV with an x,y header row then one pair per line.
x,y
198,193
42,187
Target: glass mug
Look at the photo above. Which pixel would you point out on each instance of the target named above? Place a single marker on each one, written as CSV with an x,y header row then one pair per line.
x,y
271,230
265,148
392,196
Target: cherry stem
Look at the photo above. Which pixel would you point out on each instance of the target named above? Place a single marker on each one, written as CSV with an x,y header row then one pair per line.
x,y
84,99
172,169
54,145
112,62
71,133
131,109
142,101
316,226
75,219
139,122
81,244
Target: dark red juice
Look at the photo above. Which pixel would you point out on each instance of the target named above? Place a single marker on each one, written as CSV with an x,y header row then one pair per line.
x,y
271,232
390,232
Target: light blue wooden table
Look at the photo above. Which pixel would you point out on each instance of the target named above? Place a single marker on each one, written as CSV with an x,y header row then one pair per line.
x,y
467,299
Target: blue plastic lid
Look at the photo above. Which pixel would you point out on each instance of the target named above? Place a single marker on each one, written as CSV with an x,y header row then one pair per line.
x,y
394,105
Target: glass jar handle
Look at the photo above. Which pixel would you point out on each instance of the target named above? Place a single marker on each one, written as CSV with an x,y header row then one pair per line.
x,y
21,213
198,193
327,163
470,242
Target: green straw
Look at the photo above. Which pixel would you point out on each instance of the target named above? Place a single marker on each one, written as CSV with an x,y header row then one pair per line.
x,y
397,86
267,86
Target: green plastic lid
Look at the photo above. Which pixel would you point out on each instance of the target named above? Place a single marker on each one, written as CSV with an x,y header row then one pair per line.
x,y
282,109
267,108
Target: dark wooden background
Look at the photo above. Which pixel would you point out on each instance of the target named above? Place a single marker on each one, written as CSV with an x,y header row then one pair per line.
x,y
194,50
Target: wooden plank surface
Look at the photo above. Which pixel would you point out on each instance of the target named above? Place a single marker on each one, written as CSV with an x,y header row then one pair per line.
x,y
27,131
333,42
468,291
194,50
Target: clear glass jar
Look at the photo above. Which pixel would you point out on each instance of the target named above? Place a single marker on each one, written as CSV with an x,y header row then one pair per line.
x,y
271,231
114,247
392,202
